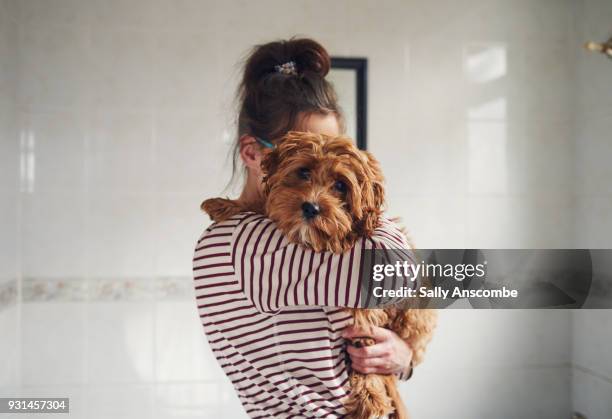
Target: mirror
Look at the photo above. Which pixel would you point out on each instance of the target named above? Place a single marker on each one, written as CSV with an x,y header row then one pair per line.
x,y
349,77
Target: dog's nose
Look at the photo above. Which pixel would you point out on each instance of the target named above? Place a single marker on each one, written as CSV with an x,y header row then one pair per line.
x,y
310,210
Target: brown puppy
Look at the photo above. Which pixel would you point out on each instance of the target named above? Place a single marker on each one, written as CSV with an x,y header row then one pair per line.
x,y
325,193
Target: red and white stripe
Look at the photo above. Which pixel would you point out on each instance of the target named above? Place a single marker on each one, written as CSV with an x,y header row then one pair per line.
x,y
272,313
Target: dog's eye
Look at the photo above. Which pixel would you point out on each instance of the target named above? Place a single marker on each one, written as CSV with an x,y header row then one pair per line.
x,y
340,186
304,173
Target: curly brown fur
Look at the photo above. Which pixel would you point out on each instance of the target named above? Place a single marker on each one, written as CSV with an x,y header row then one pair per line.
x,y
221,209
344,185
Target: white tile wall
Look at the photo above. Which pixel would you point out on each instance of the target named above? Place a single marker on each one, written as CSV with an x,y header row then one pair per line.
x,y
53,344
54,241
491,124
592,330
180,354
591,395
9,203
593,106
500,363
120,401
490,393
592,364
198,400
120,338
9,348
9,146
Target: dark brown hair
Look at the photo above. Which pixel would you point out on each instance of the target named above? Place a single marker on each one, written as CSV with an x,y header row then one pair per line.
x,y
271,101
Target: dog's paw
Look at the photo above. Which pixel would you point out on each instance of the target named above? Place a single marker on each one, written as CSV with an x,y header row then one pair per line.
x,y
220,209
362,341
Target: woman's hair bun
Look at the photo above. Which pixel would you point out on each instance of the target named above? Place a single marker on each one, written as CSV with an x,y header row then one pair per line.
x,y
309,56
282,82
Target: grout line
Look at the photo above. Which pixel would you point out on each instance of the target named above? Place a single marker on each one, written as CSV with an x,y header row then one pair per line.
x,y
19,278
592,373
116,384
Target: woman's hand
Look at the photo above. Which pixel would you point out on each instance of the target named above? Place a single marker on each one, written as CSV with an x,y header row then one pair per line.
x,y
390,354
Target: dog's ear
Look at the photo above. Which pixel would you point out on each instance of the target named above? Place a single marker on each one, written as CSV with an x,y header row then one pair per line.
x,y
269,163
373,195
378,180
289,144
292,144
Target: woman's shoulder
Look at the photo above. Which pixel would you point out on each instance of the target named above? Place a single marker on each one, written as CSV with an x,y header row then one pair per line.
x,y
226,228
242,226
390,234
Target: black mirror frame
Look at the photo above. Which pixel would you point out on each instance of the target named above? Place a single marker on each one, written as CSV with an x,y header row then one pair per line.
x,y
360,66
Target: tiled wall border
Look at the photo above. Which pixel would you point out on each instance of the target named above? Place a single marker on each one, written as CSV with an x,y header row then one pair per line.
x,y
37,289
8,293
40,289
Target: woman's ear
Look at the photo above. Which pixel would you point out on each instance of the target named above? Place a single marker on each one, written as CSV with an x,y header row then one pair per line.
x,y
250,153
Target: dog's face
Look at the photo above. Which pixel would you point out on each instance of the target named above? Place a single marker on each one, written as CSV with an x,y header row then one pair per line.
x,y
322,192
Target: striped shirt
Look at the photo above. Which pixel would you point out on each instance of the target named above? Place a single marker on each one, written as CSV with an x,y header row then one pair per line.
x,y
273,314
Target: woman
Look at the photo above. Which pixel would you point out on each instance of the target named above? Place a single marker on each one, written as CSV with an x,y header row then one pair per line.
x,y
281,341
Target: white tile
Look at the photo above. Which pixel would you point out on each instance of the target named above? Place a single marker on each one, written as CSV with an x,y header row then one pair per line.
x,y
121,152
181,350
53,234
514,339
58,143
433,221
10,238
120,338
197,400
9,147
121,236
186,69
62,12
547,94
110,15
592,222
179,222
53,343
487,157
8,49
191,153
520,221
591,395
484,63
429,158
185,15
541,157
54,65
122,66
9,347
127,401
593,147
516,393
592,340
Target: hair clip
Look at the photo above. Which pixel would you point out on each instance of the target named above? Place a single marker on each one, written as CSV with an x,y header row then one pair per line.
x,y
288,69
264,143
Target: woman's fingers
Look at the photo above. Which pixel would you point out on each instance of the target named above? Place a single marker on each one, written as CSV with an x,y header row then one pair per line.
x,y
372,362
378,350
381,335
390,354
372,365
377,333
367,370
